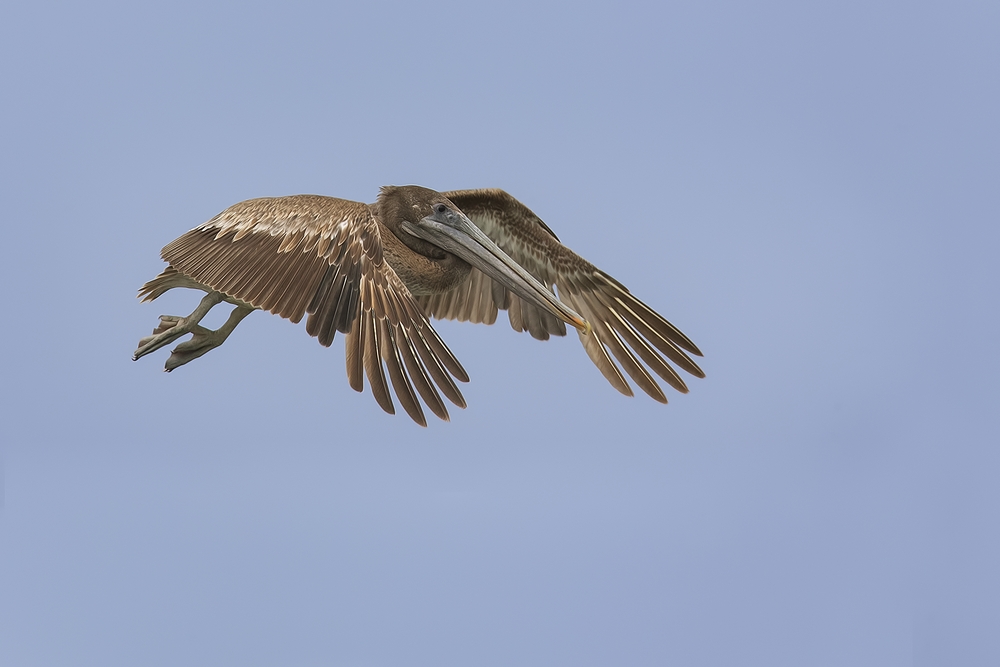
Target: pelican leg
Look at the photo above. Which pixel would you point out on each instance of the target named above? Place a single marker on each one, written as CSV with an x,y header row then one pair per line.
x,y
172,327
205,339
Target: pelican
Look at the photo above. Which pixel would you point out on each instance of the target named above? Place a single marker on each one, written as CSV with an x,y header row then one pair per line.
x,y
379,272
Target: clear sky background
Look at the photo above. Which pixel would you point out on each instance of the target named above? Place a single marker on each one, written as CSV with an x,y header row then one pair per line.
x,y
810,192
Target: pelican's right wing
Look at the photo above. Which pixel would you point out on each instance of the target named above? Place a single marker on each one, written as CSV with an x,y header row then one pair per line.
x,y
323,257
633,333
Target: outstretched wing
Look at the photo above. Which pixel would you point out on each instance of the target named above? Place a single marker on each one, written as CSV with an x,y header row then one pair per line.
x,y
623,326
322,256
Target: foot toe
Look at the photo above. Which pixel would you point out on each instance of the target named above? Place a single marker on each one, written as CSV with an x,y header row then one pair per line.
x,y
202,341
167,322
170,329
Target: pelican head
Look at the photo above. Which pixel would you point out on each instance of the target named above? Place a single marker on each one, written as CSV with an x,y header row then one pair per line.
x,y
449,229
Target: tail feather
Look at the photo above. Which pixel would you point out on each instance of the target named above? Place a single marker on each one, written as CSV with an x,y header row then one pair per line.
x,y
169,279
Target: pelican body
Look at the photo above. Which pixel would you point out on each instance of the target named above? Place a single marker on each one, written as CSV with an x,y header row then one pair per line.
x,y
378,272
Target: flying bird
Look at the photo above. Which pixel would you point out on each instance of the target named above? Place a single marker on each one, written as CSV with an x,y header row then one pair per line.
x,y
379,272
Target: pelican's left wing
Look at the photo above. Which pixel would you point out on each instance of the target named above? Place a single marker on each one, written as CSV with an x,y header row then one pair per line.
x,y
322,256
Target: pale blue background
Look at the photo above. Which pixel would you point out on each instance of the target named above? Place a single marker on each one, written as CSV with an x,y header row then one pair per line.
x,y
809,191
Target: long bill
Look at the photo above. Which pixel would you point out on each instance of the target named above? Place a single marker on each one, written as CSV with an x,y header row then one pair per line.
x,y
458,235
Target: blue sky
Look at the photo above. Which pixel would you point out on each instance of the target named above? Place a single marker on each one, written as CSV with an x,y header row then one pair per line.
x,y
809,192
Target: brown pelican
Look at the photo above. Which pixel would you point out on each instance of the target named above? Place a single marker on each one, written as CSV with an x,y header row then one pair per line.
x,y
378,272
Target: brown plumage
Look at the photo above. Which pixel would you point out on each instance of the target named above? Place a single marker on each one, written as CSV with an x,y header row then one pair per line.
x,y
376,272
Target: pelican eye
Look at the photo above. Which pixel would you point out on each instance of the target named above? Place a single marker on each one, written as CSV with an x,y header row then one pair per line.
x,y
440,208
